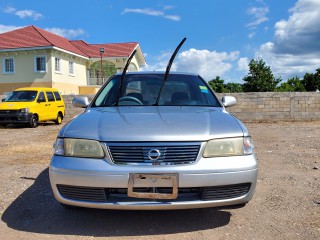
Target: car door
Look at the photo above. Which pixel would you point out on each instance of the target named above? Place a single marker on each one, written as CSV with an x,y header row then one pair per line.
x,y
51,106
42,108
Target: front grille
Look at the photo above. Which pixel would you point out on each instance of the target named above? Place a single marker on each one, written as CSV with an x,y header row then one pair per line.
x,y
173,153
225,192
8,111
94,194
83,193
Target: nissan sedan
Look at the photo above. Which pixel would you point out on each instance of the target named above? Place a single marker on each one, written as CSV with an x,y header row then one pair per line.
x,y
146,144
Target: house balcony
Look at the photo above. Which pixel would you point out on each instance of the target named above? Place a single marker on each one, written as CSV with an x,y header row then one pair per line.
x,y
97,81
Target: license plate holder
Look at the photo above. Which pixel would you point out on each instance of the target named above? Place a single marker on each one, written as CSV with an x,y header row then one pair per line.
x,y
143,180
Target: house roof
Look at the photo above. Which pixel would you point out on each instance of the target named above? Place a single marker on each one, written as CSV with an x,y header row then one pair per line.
x,y
32,37
110,49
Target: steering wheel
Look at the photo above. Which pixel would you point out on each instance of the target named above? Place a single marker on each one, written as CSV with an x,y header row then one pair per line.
x,y
130,98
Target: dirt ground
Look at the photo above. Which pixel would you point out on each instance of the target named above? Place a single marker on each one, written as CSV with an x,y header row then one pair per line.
x,y
286,204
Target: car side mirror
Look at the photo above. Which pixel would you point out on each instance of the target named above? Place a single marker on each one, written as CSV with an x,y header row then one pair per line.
x,y
229,101
81,102
3,100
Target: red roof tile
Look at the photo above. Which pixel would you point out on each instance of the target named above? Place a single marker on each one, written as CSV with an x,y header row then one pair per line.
x,y
31,36
110,49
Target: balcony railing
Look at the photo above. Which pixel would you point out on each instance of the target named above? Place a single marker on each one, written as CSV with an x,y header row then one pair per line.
x,y
97,81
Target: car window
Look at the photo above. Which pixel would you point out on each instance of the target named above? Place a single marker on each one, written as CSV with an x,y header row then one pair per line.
x,y
57,96
143,89
41,97
22,96
50,97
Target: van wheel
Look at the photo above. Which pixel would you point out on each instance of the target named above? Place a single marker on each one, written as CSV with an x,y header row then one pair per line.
x,y
33,121
58,119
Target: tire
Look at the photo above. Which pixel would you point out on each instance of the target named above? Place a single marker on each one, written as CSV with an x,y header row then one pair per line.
x,y
33,121
59,118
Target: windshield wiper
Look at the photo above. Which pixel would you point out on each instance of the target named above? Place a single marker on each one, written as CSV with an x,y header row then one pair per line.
x,y
168,70
123,75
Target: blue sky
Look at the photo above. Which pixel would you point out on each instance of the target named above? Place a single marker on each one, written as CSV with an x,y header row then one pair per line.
x,y
222,35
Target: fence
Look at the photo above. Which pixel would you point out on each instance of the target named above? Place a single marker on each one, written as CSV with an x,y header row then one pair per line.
x,y
268,106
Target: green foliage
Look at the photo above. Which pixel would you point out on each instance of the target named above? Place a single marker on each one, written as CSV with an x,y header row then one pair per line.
x,y
292,85
107,68
311,81
217,85
260,78
233,87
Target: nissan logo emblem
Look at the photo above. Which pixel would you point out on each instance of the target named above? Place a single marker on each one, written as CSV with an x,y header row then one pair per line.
x,y
154,154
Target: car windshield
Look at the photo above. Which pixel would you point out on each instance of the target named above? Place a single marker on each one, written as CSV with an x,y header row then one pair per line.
x,y
22,96
143,90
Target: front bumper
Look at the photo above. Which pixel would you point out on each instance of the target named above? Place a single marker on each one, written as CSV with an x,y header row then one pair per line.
x,y
14,117
82,177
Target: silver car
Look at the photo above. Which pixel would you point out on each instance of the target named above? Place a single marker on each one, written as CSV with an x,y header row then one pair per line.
x,y
143,143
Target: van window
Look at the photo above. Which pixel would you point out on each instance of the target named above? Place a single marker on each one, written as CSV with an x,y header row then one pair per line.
x,y
22,96
57,95
50,97
41,97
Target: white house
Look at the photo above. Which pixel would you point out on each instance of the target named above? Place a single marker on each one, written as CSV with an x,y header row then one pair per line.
x,y
31,56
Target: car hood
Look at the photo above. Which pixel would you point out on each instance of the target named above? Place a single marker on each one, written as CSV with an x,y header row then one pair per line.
x,y
167,123
14,105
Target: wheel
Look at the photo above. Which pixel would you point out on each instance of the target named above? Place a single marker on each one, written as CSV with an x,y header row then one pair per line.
x,y
33,121
130,98
58,119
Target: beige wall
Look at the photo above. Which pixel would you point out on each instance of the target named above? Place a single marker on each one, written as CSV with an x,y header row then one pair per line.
x,y
9,87
63,78
25,75
24,67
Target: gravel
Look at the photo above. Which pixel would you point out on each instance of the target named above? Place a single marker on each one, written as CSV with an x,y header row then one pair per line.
x,y
286,204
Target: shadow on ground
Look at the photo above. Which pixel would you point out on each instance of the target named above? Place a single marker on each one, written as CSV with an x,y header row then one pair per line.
x,y
35,210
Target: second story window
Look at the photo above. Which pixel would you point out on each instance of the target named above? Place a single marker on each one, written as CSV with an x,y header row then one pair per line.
x,y
71,68
57,65
8,65
40,64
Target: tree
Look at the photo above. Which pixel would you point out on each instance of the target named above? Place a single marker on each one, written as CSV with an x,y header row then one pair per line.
x,y
233,87
311,81
292,85
260,78
217,84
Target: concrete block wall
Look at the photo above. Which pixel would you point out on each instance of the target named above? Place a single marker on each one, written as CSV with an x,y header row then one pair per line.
x,y
276,106
267,106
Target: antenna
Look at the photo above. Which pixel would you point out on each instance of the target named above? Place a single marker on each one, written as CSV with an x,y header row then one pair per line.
x,y
168,69
123,75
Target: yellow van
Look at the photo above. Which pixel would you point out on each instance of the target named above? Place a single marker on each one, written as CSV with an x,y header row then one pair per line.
x,y
32,105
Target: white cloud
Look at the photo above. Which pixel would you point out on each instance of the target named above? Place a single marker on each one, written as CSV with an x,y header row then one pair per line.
x,y
23,13
243,64
208,64
151,12
251,35
295,49
9,10
67,33
28,14
259,16
145,11
4,28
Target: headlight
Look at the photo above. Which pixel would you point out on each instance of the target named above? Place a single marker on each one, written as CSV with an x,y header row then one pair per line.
x,y
228,147
78,148
24,110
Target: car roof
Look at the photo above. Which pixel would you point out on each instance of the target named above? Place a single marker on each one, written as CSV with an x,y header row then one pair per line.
x,y
158,72
36,89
